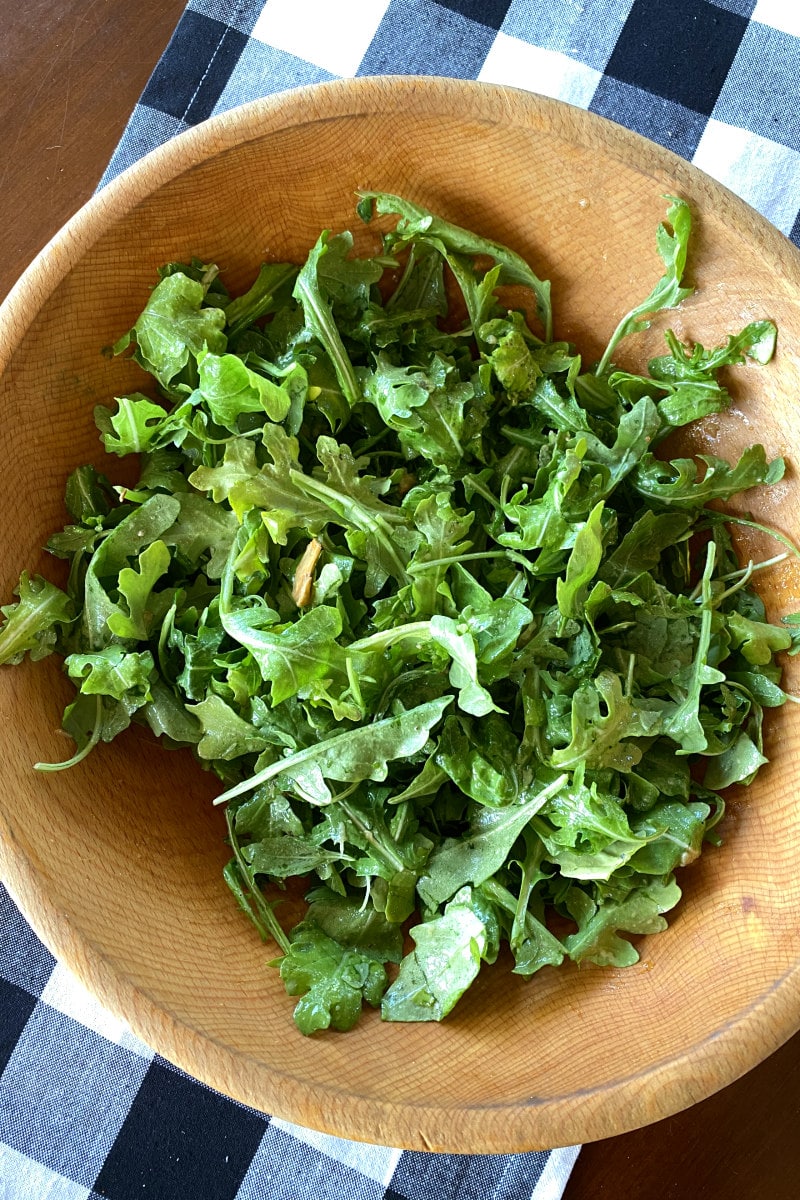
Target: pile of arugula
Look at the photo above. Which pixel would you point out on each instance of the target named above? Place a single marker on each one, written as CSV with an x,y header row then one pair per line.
x,y
411,581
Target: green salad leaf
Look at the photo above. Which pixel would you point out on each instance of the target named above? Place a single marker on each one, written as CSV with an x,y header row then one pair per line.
x,y
32,625
673,246
332,980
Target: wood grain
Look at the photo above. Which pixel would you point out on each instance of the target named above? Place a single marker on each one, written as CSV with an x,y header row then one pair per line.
x,y
132,974
70,74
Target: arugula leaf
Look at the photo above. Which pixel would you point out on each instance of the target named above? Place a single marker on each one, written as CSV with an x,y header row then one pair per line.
x,y
667,293
458,642
112,672
285,855
332,980
273,489
135,532
421,287
174,325
268,293
684,722
481,762
676,483
89,720
598,938
311,292
32,625
230,388
88,495
356,754
418,224
643,545
479,854
681,828
523,371
478,290
169,717
738,763
543,521
348,922
225,734
601,717
137,588
635,431
496,626
135,427
425,408
292,659
238,466
446,960
348,500
688,377
582,565
515,367
444,530
757,641
201,535
756,341
531,942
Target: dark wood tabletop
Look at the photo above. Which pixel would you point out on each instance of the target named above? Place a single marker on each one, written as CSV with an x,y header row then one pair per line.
x,y
70,74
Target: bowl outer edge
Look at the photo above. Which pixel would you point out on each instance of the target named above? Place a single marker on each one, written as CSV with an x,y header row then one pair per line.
x,y
614,1108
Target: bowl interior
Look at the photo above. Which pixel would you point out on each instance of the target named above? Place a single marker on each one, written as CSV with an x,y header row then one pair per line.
x,y
117,862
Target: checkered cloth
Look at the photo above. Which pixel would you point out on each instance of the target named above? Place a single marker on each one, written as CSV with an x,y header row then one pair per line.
x,y
717,81
87,1110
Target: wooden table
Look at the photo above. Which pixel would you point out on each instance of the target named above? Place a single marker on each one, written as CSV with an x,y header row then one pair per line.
x,y
70,74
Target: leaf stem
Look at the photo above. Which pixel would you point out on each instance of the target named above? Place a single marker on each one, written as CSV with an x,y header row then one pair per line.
x,y
477,486
263,907
519,437
386,852
351,512
729,519
385,638
751,566
85,750
508,555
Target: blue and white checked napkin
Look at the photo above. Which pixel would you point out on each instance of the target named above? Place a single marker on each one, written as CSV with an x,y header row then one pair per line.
x,y
716,81
87,1110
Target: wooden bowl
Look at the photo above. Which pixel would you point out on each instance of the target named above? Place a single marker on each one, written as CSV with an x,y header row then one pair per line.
x,y
117,863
